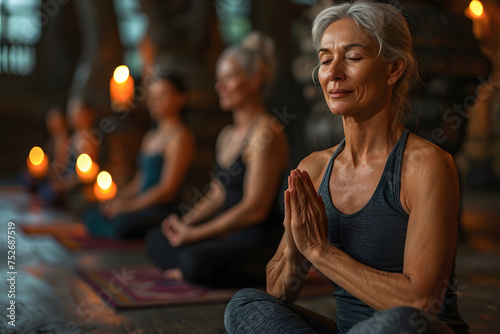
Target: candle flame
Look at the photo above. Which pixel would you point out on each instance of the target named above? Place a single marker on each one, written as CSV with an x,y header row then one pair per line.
x,y
104,180
36,156
476,8
121,74
84,162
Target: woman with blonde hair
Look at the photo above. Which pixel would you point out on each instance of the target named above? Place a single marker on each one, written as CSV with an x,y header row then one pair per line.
x,y
228,237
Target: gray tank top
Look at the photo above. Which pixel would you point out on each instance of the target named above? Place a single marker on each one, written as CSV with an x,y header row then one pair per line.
x,y
375,236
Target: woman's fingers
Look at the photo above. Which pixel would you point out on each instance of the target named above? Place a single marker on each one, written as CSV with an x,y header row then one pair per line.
x,y
308,182
311,191
287,205
287,223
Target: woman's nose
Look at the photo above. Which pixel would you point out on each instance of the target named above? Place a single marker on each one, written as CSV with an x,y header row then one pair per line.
x,y
336,71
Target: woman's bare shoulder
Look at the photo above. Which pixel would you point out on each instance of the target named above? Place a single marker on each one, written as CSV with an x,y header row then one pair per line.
x,y
222,136
421,154
426,165
315,164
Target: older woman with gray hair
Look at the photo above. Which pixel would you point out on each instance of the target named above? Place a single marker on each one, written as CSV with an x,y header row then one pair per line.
x,y
230,234
376,214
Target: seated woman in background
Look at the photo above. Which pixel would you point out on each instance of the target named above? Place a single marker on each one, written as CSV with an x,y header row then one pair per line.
x,y
229,235
80,120
56,148
164,160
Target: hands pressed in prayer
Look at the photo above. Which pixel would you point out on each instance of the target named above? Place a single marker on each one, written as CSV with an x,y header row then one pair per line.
x,y
306,223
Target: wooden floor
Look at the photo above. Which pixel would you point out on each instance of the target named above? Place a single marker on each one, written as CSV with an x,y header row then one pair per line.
x,y
51,298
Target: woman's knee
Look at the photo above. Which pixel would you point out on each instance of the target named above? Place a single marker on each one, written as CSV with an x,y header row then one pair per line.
x,y
242,307
401,319
247,296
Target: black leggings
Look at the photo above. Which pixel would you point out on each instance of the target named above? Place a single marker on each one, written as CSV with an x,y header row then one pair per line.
x,y
215,263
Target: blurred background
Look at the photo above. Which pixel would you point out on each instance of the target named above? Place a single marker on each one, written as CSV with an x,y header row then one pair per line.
x,y
54,50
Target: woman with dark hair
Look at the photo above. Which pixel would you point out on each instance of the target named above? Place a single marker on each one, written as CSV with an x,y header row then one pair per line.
x,y
164,160
376,214
228,237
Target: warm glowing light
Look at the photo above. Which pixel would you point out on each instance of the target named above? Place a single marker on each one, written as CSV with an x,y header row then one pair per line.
x,y
476,7
121,74
104,180
121,88
37,163
86,169
104,188
36,155
84,163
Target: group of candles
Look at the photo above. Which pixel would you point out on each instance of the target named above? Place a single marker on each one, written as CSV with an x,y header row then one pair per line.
x,y
87,170
121,89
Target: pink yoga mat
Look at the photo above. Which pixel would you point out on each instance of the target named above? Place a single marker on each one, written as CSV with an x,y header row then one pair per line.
x,y
146,287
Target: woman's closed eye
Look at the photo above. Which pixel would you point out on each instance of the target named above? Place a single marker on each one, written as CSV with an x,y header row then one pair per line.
x,y
353,57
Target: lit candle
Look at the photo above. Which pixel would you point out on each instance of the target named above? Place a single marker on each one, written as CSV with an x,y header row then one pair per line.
x,y
37,162
121,87
482,25
475,9
104,188
86,169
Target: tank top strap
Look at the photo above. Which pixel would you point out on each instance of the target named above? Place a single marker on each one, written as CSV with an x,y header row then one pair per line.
x,y
244,143
249,133
328,172
398,161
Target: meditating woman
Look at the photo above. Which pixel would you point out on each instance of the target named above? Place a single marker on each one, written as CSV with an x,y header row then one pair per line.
x,y
376,214
164,160
80,120
228,237
56,149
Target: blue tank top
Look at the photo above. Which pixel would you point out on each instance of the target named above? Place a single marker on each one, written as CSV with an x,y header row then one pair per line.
x,y
375,236
150,166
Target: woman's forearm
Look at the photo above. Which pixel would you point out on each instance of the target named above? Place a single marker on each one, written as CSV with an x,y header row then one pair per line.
x,y
130,189
155,195
378,289
207,206
238,217
204,209
286,273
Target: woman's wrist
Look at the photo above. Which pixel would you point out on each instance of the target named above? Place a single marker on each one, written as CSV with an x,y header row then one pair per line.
x,y
128,205
197,234
293,255
186,219
321,251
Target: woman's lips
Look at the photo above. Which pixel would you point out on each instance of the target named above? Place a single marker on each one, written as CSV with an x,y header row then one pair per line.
x,y
339,93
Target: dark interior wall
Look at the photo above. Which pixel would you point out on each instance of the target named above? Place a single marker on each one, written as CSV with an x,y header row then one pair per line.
x,y
25,99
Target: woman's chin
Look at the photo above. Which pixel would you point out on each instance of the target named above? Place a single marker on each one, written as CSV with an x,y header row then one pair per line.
x,y
340,109
226,107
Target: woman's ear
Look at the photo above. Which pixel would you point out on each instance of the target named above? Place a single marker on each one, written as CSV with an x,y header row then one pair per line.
x,y
396,70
